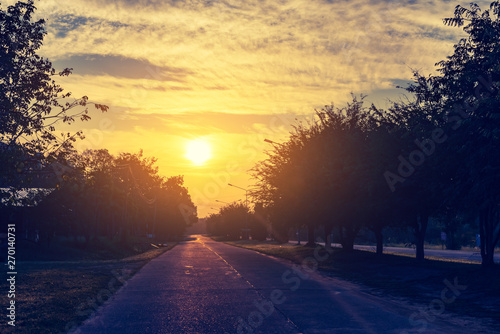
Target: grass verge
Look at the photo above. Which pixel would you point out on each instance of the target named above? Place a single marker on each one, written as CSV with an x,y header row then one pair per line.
x,y
394,276
55,296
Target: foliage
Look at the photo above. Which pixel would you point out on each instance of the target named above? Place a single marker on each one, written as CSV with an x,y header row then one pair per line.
x,y
323,174
104,195
465,101
431,157
230,221
31,102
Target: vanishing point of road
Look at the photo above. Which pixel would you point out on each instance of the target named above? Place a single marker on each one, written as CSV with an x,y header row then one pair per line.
x,y
203,286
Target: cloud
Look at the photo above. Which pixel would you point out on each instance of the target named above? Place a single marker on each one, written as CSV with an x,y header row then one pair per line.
x,y
202,123
120,66
66,23
268,56
255,57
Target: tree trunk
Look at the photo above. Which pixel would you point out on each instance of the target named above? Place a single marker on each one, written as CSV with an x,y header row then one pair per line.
x,y
279,233
328,236
489,236
348,244
451,241
421,222
310,236
341,234
348,238
420,249
377,230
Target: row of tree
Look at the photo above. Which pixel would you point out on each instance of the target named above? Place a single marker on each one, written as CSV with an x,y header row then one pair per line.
x,y
104,195
236,220
435,155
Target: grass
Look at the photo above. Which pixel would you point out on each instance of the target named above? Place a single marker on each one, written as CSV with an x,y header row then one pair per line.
x,y
69,249
61,290
403,277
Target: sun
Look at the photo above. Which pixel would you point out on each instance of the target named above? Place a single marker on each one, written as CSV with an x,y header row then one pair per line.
x,y
198,151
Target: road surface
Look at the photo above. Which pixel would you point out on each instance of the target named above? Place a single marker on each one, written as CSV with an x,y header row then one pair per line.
x,y
202,286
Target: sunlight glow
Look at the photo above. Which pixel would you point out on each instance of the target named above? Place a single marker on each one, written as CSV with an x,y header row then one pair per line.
x,y
198,151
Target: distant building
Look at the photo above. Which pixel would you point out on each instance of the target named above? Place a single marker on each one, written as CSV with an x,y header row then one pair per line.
x,y
21,192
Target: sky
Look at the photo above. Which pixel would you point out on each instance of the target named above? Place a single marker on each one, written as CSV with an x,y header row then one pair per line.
x,y
232,72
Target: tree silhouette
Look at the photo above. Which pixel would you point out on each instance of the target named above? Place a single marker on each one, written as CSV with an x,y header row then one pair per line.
x,y
229,221
116,196
465,95
319,176
31,102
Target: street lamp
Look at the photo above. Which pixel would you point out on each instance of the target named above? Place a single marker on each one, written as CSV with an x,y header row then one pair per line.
x,y
246,204
222,201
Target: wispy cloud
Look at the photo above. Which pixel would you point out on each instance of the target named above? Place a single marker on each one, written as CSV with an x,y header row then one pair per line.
x,y
292,52
121,67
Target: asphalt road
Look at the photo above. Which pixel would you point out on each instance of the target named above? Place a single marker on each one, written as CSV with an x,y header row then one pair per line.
x,y
202,286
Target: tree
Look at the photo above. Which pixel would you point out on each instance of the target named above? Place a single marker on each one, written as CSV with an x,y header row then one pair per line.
x,y
465,96
259,223
229,221
139,187
348,171
319,176
379,157
418,176
214,224
31,102
123,195
175,209
99,189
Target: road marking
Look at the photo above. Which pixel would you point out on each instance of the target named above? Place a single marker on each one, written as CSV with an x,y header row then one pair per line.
x,y
253,287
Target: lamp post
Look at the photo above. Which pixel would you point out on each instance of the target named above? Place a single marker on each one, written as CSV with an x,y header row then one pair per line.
x,y
246,204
